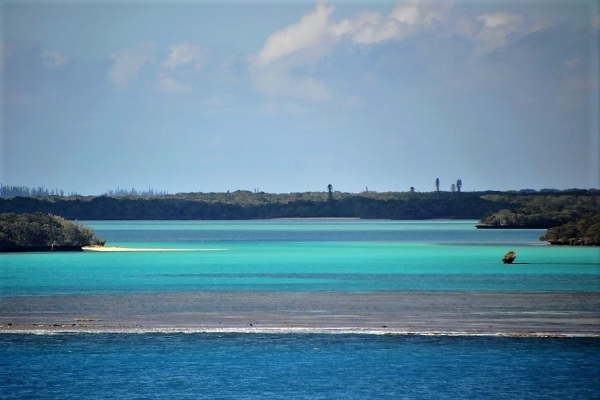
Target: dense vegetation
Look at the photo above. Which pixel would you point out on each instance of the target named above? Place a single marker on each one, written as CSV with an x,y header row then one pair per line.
x,y
39,232
583,232
523,209
248,205
541,211
571,218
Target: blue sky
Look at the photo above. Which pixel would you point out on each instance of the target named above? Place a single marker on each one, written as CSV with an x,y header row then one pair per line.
x,y
292,96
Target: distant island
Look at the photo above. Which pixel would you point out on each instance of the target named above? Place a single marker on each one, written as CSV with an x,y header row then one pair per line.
x,y
571,216
43,232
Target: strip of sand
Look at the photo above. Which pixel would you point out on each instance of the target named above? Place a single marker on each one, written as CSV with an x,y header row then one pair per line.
x,y
136,249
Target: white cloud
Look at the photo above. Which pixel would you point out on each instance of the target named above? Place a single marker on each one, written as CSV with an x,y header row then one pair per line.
x,y
404,19
501,19
296,45
305,34
174,69
127,64
496,29
286,64
500,29
380,31
408,14
169,76
347,27
185,53
168,84
53,59
278,82
315,35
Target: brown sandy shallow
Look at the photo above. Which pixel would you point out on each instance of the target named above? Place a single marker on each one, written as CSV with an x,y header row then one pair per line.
x,y
455,313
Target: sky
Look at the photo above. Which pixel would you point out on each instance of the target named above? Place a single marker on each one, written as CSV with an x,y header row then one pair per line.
x,y
290,96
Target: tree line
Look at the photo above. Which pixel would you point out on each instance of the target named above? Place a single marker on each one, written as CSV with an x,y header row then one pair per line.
x,y
133,192
495,210
24,191
247,205
7,191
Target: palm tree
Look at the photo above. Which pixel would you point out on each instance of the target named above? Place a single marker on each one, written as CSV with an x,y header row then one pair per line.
x,y
330,190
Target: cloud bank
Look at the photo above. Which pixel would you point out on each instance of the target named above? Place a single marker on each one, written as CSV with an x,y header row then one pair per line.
x,y
277,67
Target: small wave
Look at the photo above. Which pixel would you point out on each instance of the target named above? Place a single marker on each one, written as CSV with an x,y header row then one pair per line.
x,y
290,330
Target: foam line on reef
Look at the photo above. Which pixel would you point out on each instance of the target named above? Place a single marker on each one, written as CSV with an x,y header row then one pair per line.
x,y
290,330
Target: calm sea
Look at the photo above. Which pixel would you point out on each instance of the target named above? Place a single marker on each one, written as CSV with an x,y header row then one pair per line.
x,y
302,309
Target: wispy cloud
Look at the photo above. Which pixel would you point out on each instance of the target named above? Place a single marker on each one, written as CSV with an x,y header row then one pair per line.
x,y
126,65
405,19
169,84
182,61
53,59
308,33
498,30
181,56
185,53
299,44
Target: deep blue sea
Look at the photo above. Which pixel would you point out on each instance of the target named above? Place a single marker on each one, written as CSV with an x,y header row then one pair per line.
x,y
302,309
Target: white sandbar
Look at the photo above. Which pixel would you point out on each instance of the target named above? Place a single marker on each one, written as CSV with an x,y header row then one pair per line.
x,y
136,249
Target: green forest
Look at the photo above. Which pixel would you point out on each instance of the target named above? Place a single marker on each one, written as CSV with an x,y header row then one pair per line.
x,y
576,210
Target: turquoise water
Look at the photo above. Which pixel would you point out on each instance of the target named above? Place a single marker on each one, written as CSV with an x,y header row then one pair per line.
x,y
295,255
304,266
302,309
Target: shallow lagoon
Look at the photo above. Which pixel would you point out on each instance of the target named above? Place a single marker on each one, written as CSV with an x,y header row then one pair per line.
x,y
404,274
302,309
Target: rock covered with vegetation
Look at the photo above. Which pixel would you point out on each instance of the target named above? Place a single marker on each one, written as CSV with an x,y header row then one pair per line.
x,y
583,232
43,232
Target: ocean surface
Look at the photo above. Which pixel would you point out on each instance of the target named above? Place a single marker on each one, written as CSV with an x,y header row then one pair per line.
x,y
302,309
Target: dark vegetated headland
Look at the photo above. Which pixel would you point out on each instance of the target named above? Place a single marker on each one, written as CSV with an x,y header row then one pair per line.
x,y
43,232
